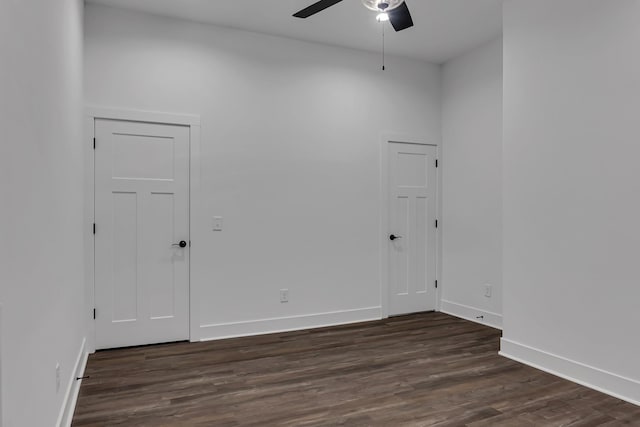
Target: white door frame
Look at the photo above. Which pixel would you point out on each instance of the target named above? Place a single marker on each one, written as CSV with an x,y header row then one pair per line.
x,y
385,140
91,114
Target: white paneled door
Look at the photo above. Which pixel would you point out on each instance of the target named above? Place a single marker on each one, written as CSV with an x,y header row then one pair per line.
x,y
142,233
412,228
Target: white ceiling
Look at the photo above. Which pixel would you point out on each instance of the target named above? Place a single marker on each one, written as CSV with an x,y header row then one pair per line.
x,y
443,28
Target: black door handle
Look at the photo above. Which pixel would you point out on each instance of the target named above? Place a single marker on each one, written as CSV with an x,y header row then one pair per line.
x,y
182,244
394,237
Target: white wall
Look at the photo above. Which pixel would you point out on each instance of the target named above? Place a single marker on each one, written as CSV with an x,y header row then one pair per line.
x,y
472,184
571,189
41,210
290,158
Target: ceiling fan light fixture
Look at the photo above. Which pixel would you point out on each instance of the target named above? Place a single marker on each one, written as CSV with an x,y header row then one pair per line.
x,y
382,5
382,17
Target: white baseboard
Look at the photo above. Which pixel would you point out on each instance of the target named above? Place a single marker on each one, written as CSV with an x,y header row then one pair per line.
x,y
285,324
606,382
471,313
71,395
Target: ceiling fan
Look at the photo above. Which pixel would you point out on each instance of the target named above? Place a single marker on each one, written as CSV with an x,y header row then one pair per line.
x,y
396,11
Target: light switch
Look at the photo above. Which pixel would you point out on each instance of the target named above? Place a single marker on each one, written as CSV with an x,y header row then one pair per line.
x,y
217,223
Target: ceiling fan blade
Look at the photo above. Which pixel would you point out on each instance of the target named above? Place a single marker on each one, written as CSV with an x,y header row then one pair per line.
x,y
315,8
400,17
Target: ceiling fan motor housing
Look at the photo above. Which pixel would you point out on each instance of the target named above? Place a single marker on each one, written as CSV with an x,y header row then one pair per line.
x,y
382,5
394,11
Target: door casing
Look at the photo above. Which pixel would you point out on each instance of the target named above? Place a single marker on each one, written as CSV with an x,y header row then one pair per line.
x,y
385,140
91,114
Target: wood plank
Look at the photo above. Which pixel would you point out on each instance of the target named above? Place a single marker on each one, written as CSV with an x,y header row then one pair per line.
x,y
427,369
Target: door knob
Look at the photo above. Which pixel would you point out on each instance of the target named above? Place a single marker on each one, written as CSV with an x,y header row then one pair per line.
x,y
394,237
182,244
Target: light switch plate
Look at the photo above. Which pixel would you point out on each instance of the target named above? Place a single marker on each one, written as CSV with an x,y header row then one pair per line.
x,y
488,290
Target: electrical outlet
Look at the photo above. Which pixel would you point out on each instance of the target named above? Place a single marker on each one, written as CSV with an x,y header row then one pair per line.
x,y
284,295
488,289
217,223
57,377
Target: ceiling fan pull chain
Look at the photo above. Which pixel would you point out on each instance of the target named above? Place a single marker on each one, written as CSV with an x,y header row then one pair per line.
x,y
382,24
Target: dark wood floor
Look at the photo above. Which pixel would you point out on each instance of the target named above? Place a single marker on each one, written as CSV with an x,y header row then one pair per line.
x,y
420,370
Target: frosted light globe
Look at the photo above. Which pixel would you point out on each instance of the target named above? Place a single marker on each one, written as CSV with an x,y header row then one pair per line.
x,y
382,5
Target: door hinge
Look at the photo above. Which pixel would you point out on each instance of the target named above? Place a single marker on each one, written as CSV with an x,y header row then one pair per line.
x,y
94,313
94,144
436,162
436,223
94,228
436,284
